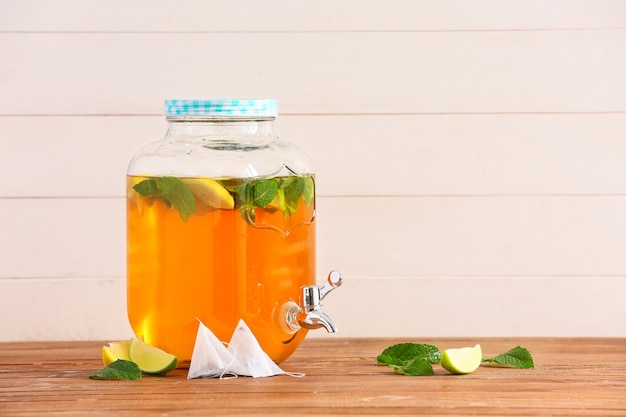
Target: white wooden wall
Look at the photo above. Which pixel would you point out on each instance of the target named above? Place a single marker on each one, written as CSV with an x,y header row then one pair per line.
x,y
471,155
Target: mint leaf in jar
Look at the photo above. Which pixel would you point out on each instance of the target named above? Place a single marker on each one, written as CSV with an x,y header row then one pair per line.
x,y
178,194
171,191
263,192
309,190
293,191
294,187
147,188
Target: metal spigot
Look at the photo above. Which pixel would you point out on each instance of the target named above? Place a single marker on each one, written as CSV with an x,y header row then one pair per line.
x,y
307,313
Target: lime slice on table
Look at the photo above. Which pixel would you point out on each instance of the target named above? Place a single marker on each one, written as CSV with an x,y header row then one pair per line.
x,y
151,359
115,351
463,360
210,192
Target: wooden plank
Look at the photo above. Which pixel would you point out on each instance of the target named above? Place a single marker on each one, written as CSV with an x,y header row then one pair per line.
x,y
473,236
571,377
63,237
384,306
393,306
72,156
435,155
368,236
400,155
78,308
321,15
313,73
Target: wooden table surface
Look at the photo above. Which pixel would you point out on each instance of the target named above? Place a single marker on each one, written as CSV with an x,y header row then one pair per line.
x,y
572,377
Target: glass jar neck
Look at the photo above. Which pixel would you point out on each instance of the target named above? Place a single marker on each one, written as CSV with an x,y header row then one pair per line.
x,y
236,129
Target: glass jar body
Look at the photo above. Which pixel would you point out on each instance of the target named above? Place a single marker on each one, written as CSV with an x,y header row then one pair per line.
x,y
220,227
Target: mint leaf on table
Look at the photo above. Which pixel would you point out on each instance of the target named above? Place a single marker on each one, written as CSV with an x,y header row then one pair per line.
x,y
120,369
415,367
518,357
401,353
171,191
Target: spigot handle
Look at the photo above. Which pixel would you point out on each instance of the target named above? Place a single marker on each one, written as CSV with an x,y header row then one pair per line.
x,y
334,280
307,312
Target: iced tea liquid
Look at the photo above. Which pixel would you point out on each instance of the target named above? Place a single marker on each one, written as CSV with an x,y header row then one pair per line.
x,y
218,264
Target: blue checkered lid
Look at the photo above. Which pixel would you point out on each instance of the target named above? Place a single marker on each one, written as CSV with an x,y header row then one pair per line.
x,y
229,107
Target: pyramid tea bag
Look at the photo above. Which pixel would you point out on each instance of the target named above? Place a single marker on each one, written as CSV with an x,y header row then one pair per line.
x,y
243,356
251,359
210,357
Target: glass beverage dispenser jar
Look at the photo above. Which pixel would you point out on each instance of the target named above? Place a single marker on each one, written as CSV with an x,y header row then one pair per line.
x,y
221,227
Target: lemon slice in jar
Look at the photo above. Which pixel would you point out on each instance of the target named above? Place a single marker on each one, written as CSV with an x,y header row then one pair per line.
x,y
210,192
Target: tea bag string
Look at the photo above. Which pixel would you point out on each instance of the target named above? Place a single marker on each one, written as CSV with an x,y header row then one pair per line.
x,y
225,374
295,374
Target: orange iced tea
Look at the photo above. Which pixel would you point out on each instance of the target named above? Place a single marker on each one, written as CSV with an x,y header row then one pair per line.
x,y
218,250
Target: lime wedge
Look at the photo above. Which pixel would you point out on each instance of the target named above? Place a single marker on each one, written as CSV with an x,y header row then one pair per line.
x,y
151,359
210,192
463,360
115,351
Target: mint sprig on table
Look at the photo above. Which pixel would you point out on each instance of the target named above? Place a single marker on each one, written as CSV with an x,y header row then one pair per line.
x,y
416,359
518,357
401,353
120,369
